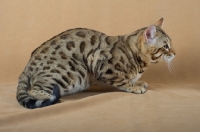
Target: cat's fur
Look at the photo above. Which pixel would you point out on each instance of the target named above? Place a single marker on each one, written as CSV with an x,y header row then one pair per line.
x,y
75,59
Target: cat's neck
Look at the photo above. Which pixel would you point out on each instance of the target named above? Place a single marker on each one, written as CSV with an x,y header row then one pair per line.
x,y
136,42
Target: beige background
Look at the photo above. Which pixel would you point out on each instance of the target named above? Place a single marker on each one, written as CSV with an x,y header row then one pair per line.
x,y
25,24
172,101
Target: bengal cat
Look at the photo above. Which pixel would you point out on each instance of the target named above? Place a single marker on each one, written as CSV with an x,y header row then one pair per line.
x,y
77,58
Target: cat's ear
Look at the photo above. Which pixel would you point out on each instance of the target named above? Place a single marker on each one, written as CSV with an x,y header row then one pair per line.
x,y
150,34
160,22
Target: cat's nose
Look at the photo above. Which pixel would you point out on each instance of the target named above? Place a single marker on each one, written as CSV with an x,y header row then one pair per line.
x,y
171,51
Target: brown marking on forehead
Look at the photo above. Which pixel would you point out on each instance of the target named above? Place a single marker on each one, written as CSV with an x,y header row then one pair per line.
x,y
62,55
80,34
168,42
70,45
163,33
82,46
44,50
111,39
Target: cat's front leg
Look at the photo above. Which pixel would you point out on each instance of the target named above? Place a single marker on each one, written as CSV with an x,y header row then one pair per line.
x,y
138,87
122,81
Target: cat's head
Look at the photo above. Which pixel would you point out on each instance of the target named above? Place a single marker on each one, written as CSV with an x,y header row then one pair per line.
x,y
158,44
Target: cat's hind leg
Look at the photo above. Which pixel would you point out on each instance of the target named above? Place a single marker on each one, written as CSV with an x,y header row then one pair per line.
x,y
39,98
36,94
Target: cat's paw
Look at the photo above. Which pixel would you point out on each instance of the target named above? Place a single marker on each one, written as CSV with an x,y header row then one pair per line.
x,y
138,90
141,84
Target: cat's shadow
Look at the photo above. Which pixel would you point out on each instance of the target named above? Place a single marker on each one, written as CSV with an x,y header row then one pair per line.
x,y
92,91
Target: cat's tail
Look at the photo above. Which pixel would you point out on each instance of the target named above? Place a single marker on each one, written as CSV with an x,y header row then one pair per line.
x,y
27,101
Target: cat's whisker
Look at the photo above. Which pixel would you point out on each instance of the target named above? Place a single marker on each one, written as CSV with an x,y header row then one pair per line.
x,y
171,68
167,64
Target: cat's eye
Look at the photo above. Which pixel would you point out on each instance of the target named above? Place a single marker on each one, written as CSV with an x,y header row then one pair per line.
x,y
166,46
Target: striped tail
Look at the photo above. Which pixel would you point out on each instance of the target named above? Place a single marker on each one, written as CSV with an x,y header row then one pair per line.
x,y
27,101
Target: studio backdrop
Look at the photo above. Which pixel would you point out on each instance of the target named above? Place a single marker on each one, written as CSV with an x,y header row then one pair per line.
x,y
170,104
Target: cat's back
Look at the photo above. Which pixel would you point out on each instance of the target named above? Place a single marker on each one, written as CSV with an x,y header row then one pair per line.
x,y
74,44
72,40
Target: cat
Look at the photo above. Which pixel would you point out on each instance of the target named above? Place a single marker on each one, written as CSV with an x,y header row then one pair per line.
x,y
77,58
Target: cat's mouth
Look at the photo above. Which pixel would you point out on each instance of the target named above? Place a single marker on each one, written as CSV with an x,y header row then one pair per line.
x,y
165,57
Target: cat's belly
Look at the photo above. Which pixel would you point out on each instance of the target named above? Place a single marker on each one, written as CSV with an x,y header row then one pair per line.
x,y
76,87
95,82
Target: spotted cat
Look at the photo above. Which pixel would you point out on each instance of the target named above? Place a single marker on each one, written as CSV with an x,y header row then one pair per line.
x,y
77,58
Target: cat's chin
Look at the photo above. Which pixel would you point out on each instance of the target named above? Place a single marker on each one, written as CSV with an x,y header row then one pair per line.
x,y
168,58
